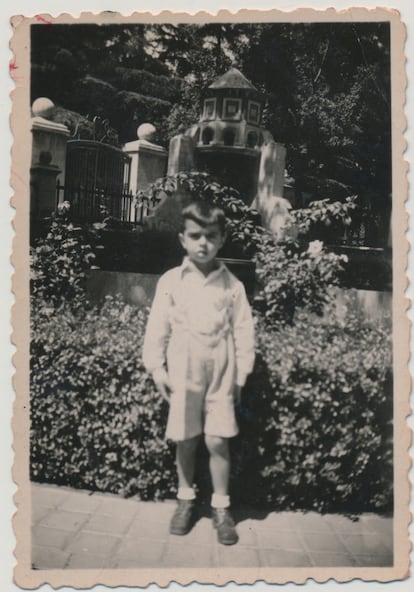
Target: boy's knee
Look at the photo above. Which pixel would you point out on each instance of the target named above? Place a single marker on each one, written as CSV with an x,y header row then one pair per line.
x,y
216,444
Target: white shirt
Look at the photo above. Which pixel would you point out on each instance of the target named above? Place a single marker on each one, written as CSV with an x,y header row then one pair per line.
x,y
205,300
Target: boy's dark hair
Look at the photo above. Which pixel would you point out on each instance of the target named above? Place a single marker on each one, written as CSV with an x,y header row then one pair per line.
x,y
204,213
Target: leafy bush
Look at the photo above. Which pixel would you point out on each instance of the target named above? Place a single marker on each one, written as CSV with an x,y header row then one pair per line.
x,y
321,215
243,223
96,420
60,261
316,417
293,277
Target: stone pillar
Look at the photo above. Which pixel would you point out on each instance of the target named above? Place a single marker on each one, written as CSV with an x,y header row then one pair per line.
x,y
148,161
48,136
270,201
180,154
43,177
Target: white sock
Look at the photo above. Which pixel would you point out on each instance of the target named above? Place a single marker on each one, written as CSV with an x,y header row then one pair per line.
x,y
220,501
186,493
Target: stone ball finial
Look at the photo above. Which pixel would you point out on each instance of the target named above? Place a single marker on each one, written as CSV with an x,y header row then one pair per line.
x,y
146,131
43,107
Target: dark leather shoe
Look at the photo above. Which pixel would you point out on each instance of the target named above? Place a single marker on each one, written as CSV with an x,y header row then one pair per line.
x,y
224,524
182,520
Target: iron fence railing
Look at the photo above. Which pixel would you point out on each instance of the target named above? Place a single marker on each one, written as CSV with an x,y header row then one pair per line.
x,y
92,204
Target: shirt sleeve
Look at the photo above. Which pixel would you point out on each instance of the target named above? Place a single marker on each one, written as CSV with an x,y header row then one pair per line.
x,y
158,328
243,331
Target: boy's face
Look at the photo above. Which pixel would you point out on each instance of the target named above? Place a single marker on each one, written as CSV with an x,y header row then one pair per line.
x,y
201,242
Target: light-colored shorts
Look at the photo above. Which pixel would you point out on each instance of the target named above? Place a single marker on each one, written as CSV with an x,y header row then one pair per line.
x,y
202,379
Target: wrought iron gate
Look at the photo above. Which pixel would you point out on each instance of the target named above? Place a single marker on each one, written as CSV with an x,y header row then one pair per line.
x,y
97,182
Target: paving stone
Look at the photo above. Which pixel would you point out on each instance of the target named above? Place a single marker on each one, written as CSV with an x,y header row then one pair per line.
x,y
309,522
381,526
93,542
115,525
276,520
87,561
138,553
80,502
375,560
39,512
284,558
117,506
47,495
318,541
149,530
48,558
364,543
333,560
64,520
50,537
202,533
236,556
247,533
280,539
187,555
159,511
340,523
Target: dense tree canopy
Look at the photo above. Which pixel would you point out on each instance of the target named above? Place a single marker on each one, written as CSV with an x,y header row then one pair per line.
x,y
327,88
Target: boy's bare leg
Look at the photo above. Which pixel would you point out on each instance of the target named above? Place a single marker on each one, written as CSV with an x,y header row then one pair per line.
x,y
220,501
183,518
185,459
219,463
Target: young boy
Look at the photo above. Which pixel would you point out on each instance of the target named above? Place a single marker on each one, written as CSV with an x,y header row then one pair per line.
x,y
199,347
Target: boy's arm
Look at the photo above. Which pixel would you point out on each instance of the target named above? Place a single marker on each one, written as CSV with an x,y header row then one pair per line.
x,y
158,329
243,331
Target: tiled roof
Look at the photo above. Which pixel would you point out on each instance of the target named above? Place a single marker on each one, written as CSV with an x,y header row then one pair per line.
x,y
233,78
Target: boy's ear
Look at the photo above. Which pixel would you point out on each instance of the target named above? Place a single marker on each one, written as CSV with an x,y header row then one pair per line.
x,y
181,238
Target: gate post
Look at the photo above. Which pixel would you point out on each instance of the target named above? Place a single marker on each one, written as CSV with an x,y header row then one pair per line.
x,y
148,161
43,175
48,136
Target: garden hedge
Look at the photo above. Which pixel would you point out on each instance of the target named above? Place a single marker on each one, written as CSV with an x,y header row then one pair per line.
x,y
316,430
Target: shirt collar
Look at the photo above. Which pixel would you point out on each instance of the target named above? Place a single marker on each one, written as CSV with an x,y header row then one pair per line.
x,y
188,266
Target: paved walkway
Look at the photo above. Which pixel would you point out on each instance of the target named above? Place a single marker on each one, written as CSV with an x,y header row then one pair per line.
x,y
77,529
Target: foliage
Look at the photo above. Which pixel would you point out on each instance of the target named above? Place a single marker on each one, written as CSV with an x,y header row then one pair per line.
x,y
293,278
92,95
96,419
131,109
243,222
60,261
310,221
316,417
167,88
326,86
315,414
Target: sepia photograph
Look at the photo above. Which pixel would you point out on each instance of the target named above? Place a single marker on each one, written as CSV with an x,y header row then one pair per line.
x,y
212,293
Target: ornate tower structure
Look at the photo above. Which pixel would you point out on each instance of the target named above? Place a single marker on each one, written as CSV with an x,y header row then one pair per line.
x,y
228,137
230,143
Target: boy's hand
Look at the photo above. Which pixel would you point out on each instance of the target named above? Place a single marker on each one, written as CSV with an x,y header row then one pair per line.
x,y
162,382
237,394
